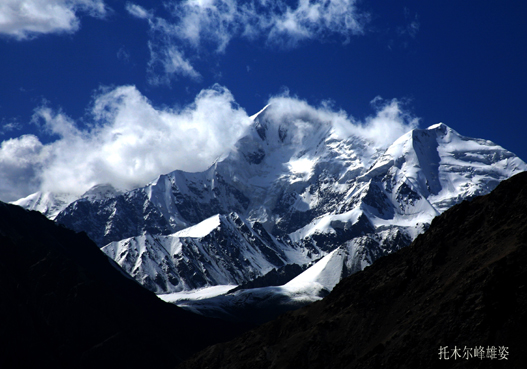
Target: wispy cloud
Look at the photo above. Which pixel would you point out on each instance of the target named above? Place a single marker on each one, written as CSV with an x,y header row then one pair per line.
x,y
138,11
168,62
412,25
198,26
123,54
7,126
25,19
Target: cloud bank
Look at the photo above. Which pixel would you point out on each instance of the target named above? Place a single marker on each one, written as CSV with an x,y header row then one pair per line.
x,y
130,142
23,19
198,26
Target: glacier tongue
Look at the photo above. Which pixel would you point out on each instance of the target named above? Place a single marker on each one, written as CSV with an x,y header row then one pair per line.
x,y
292,192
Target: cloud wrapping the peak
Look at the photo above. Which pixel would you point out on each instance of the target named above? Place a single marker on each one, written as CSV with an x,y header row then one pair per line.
x,y
128,142
24,19
389,121
199,26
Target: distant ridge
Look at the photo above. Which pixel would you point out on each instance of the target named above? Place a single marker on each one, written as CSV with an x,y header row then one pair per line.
x,y
462,284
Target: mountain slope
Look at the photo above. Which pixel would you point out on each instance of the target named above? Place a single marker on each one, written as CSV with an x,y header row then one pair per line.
x,y
221,250
65,304
460,285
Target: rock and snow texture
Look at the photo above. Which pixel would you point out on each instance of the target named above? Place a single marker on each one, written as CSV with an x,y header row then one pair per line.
x,y
221,250
47,203
51,204
293,192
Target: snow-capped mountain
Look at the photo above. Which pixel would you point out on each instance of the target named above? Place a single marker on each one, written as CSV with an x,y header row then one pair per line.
x,y
281,175
51,204
221,250
48,203
292,192
419,176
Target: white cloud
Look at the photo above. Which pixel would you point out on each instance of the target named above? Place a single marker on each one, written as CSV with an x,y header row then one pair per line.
x,y
315,19
23,19
389,122
219,21
199,25
129,142
216,21
20,160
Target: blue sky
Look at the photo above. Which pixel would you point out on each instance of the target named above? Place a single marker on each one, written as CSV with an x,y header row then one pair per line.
x,y
90,89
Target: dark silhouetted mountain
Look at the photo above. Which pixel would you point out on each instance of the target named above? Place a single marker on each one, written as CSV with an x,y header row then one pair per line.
x,y
459,286
65,304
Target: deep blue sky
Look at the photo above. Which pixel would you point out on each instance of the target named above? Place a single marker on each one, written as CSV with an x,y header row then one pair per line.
x,y
462,63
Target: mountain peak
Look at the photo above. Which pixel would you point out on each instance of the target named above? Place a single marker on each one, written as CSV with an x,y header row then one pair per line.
x,y
253,117
101,192
48,203
439,126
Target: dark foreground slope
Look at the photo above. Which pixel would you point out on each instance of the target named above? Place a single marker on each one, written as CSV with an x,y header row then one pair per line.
x,y
64,305
461,285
